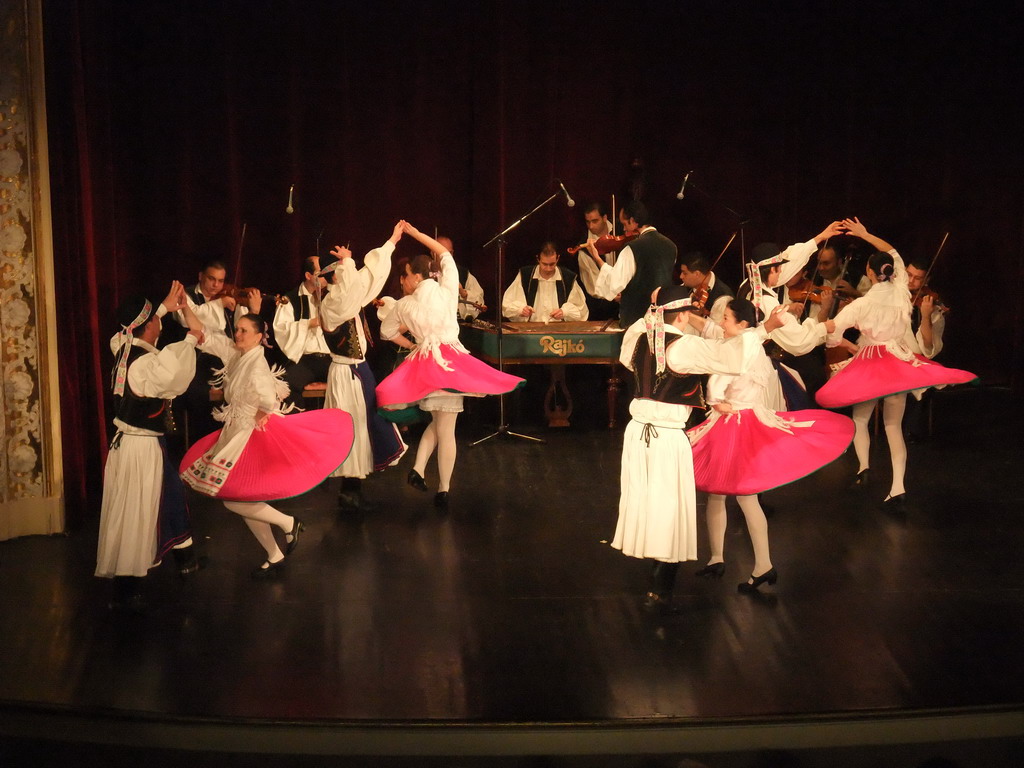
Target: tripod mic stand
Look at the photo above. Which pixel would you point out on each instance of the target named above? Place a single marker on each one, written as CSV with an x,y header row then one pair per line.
x,y
503,428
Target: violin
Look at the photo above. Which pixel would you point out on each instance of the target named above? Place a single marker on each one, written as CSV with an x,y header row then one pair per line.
x,y
920,294
607,243
806,290
241,295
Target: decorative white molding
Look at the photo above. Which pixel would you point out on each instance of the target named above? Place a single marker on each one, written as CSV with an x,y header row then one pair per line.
x,y
31,477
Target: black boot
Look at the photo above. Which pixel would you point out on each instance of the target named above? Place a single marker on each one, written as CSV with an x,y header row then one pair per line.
x,y
187,561
128,595
663,578
350,499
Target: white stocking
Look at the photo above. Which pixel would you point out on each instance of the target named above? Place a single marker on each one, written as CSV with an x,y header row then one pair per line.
x,y
428,442
447,448
757,527
861,434
892,416
717,523
260,516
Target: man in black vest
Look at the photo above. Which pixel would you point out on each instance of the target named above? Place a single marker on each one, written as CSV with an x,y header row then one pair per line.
x,y
643,265
218,314
545,292
298,334
695,272
144,512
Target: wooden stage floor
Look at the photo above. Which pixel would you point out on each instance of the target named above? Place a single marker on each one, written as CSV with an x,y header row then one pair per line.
x,y
411,632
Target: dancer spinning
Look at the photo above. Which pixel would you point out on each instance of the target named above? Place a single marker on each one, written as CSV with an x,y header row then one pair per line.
x,y
658,503
439,371
884,366
260,454
745,447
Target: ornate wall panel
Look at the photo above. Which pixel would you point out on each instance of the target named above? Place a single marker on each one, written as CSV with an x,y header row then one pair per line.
x,y
31,487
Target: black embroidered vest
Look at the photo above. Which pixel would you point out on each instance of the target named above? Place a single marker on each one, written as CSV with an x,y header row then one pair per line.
x,y
150,413
344,340
669,387
563,287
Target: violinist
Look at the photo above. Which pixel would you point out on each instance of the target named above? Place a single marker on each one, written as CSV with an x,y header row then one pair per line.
x,y
598,226
471,293
218,313
644,264
923,337
695,273
832,274
775,269
298,334
928,318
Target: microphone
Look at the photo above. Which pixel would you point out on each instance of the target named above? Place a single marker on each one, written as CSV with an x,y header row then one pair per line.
x,y
289,209
682,190
568,199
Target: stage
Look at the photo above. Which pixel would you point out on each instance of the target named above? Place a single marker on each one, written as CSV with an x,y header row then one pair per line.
x,y
508,628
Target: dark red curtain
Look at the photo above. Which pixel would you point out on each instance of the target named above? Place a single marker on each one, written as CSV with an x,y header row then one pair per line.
x,y
175,124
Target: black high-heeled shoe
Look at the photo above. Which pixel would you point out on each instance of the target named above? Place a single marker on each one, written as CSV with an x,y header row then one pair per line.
x,y
441,500
415,479
711,571
268,570
895,504
860,482
768,577
292,537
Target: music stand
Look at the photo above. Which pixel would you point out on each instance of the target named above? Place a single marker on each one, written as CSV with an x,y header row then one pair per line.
x,y
503,430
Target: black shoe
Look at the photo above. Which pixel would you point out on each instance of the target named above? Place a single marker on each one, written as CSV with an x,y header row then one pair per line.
x,y
655,603
441,500
186,560
415,479
268,570
768,577
861,481
292,537
353,502
714,570
895,504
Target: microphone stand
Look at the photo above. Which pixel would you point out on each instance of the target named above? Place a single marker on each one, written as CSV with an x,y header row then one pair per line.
x,y
503,430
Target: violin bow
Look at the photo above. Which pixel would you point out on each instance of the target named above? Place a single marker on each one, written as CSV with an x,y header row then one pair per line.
x,y
931,266
238,258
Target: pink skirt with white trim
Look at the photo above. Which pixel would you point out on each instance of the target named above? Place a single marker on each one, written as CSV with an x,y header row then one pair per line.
x,y
419,376
740,455
292,455
876,372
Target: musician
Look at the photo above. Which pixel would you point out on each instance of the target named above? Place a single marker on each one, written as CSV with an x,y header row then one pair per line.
x,y
773,270
350,382
471,293
695,270
658,503
643,265
831,273
298,334
924,337
217,312
598,225
927,321
545,292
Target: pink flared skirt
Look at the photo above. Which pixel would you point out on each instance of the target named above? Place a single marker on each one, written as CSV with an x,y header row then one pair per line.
x,y
420,375
740,455
876,372
292,455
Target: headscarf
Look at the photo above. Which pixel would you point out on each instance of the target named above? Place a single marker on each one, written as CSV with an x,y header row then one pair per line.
x,y
133,313
670,298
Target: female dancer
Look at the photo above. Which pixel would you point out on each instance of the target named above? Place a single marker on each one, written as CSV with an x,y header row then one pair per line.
x,y
259,454
745,447
439,372
884,366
